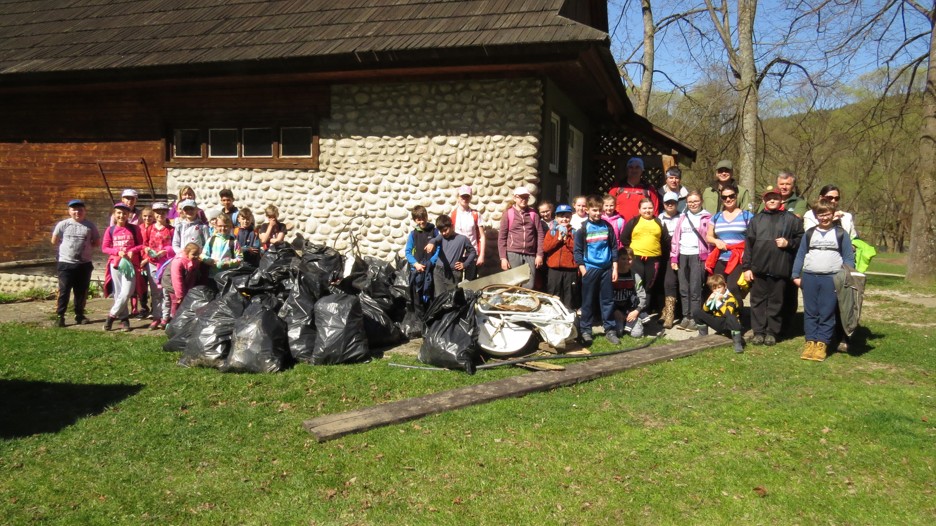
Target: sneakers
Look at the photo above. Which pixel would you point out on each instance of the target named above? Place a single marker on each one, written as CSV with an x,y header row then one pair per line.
x,y
684,323
738,342
81,320
769,340
60,322
758,339
586,339
807,350
163,323
692,326
612,337
637,331
144,314
109,323
154,326
125,325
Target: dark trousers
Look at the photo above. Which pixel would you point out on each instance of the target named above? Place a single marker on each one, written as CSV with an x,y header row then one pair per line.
x,y
790,302
670,278
444,280
728,322
691,282
819,306
767,304
597,283
647,268
73,277
562,282
732,280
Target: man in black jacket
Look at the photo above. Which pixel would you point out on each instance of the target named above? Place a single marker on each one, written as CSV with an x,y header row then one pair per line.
x,y
773,238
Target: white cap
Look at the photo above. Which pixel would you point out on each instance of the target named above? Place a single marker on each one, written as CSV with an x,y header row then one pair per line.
x,y
522,190
129,192
212,213
464,190
670,196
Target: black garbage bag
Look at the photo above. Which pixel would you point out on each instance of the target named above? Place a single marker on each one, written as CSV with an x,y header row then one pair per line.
x,y
354,275
235,278
381,331
399,288
379,282
298,311
211,335
272,275
259,342
180,327
326,259
340,338
412,325
451,337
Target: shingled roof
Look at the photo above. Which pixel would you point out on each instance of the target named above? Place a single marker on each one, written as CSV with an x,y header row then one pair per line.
x,y
62,36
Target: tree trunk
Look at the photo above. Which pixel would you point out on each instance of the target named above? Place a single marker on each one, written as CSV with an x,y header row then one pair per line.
x,y
921,264
646,79
747,85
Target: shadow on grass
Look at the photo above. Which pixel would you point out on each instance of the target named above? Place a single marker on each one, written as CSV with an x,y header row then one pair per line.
x,y
30,407
859,343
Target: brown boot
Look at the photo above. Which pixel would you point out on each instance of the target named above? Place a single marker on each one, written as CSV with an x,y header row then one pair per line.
x,y
808,350
669,312
819,352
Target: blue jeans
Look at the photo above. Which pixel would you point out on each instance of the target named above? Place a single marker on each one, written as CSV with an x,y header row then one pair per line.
x,y
819,305
597,282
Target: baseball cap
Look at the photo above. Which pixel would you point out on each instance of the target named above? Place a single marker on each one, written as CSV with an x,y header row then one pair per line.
x,y
564,209
521,190
769,190
212,213
670,196
122,206
464,190
188,203
635,160
75,203
724,163
129,192
160,206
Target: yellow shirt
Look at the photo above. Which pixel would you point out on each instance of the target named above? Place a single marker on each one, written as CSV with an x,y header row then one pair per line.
x,y
645,240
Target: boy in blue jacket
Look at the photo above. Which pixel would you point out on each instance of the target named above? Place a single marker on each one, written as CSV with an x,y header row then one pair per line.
x,y
596,255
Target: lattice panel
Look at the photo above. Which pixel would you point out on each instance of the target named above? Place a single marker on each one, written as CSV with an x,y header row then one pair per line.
x,y
616,146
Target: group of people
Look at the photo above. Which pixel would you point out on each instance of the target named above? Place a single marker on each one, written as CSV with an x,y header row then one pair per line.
x,y
622,257
155,254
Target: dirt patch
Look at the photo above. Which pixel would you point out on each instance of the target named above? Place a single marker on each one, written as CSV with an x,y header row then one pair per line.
x,y
901,308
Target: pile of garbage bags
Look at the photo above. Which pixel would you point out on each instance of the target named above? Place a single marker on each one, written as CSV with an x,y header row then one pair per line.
x,y
319,308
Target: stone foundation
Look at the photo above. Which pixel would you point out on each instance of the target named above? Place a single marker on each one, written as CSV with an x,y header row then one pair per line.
x,y
16,283
389,147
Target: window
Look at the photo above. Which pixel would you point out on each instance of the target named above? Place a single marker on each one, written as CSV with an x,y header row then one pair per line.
x,y
258,142
251,147
555,139
187,143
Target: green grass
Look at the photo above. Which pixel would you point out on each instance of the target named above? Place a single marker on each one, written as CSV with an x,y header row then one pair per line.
x,y
27,295
716,438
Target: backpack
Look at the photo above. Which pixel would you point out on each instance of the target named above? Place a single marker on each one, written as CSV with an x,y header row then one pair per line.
x,y
477,220
839,236
511,213
137,233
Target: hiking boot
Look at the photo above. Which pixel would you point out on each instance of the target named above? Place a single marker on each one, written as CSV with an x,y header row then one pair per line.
x,y
109,323
738,342
703,330
808,350
60,322
81,320
612,337
819,352
669,312
769,340
125,325
586,339
758,339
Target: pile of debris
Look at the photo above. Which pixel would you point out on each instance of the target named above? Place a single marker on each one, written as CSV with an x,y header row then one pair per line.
x,y
322,308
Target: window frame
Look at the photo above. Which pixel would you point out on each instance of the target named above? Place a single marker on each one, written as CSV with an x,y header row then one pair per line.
x,y
276,160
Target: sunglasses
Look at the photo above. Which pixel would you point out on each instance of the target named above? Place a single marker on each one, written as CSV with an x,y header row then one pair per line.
x,y
729,196
831,197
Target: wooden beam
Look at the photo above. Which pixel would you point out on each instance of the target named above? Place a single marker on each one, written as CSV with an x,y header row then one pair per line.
x,y
330,427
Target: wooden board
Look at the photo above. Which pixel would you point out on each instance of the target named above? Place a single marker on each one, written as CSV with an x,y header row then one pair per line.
x,y
330,427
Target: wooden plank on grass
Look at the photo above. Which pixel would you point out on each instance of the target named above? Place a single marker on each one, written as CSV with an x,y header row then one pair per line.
x,y
329,427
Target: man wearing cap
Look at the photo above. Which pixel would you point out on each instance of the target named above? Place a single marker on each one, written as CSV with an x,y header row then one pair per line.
x,y
76,238
771,243
129,198
467,222
673,183
724,176
520,240
630,189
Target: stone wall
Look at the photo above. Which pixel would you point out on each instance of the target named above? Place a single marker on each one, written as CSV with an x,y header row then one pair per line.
x,y
16,283
389,147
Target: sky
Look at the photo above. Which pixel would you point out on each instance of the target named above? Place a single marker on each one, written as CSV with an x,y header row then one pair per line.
x,y
684,58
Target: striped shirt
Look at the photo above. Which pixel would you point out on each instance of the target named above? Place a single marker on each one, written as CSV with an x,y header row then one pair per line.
x,y
731,232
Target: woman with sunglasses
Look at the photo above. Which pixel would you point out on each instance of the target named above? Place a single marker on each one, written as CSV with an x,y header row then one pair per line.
x,y
726,233
832,196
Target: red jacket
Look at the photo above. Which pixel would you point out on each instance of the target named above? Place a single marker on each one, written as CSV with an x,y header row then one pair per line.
x,y
627,199
737,252
559,252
